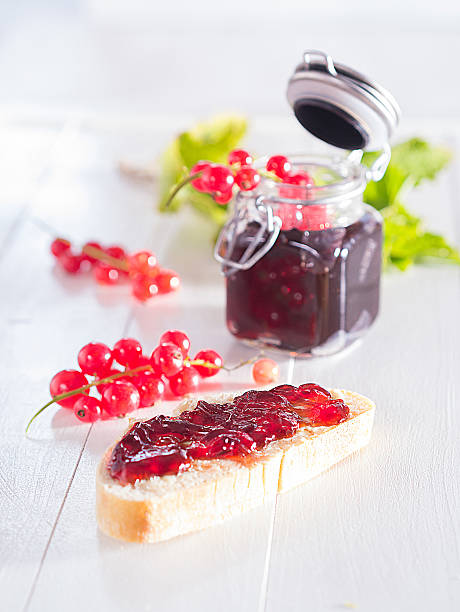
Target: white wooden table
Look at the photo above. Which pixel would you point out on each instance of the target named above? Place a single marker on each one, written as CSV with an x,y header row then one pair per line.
x,y
378,533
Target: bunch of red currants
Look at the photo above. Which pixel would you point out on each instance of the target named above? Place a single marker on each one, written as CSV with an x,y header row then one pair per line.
x,y
219,180
141,380
113,265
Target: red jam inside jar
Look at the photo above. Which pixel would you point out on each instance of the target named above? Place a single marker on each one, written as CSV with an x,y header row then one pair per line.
x,y
313,283
169,445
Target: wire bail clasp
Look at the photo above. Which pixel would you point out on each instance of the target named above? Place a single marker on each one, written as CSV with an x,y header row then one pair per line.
x,y
226,242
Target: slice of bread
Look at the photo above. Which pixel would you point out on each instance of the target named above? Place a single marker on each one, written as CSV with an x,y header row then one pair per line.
x,y
212,491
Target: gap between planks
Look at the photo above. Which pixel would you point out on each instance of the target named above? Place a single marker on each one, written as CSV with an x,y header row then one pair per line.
x,y
266,574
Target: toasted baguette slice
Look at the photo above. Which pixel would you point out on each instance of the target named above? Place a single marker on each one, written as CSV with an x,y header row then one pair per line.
x,y
212,491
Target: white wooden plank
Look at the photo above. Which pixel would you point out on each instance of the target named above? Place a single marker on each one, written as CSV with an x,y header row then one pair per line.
x,y
24,155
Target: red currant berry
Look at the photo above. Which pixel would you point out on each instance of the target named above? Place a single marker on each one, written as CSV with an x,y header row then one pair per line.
x,y
185,381
59,246
127,352
223,197
117,252
179,338
120,397
143,360
102,386
143,287
279,165
87,409
299,178
150,387
247,178
143,262
211,357
217,178
95,359
167,359
199,167
265,371
239,156
105,274
65,381
70,262
94,245
167,281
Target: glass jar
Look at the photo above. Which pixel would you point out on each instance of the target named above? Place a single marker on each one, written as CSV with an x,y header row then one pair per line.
x,y
302,263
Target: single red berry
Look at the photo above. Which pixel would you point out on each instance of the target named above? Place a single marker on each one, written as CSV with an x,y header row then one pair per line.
x,y
95,358
167,281
224,197
59,246
239,156
65,381
143,262
185,381
199,167
179,338
102,386
143,360
167,359
143,287
87,409
265,371
299,178
105,274
247,178
279,165
127,352
217,179
120,397
70,262
117,252
210,357
94,245
150,387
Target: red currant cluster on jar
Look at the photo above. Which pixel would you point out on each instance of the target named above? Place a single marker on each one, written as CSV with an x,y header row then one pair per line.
x,y
219,180
124,379
113,265
295,184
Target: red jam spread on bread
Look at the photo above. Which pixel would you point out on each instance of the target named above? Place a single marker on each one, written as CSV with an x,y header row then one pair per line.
x,y
169,445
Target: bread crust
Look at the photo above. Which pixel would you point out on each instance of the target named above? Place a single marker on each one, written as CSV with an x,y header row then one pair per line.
x,y
212,491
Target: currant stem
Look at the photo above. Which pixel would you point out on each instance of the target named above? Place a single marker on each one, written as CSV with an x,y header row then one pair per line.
x,y
208,364
58,398
100,255
175,190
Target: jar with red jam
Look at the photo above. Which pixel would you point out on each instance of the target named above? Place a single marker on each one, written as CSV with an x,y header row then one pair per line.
x,y
302,262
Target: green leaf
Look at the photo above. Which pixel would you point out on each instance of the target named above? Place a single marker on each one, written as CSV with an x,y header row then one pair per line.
x,y
406,242
411,162
419,159
211,140
384,192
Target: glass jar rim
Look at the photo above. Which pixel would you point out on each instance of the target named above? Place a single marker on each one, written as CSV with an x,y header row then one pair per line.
x,y
351,181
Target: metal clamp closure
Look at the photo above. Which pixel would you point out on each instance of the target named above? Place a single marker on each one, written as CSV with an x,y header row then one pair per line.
x,y
226,241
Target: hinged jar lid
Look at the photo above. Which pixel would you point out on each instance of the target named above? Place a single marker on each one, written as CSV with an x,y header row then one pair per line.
x,y
341,106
